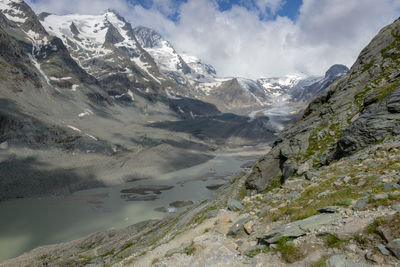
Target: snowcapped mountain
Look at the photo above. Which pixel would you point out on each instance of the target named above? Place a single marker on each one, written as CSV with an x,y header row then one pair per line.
x,y
277,86
201,69
165,56
312,87
183,69
128,62
111,50
14,11
105,46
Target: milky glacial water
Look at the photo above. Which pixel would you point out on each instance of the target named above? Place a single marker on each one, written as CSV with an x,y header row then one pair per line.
x,y
29,223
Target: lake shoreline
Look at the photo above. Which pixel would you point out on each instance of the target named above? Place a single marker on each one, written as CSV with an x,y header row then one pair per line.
x,y
102,209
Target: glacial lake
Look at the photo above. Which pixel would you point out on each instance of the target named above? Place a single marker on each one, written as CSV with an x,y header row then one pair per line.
x,y
28,223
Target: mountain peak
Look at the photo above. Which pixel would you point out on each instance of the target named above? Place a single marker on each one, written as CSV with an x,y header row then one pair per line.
x,y
336,71
113,13
148,38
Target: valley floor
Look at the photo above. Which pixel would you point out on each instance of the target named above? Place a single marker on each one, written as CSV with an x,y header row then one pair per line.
x,y
49,220
345,214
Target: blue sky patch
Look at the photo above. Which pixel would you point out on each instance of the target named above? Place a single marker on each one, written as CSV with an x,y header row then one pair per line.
x,y
289,9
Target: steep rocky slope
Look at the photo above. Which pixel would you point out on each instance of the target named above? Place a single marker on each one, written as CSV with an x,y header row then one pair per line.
x,y
356,111
327,194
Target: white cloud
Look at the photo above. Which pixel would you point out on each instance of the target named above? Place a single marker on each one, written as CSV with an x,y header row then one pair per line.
x,y
78,6
272,5
238,43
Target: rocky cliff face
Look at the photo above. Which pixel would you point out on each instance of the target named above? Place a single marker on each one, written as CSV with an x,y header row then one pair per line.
x,y
356,111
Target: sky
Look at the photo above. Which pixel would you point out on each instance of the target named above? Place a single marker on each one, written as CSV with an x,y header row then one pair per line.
x,y
253,38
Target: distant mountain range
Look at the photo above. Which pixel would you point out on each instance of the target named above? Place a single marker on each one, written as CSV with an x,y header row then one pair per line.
x,y
96,87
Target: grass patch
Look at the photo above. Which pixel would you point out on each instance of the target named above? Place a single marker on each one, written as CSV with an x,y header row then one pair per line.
x,y
359,98
333,241
395,44
371,229
290,253
189,250
108,253
368,65
242,193
360,239
43,257
320,263
155,260
339,196
275,183
346,202
391,223
240,176
255,252
201,216
317,146
387,90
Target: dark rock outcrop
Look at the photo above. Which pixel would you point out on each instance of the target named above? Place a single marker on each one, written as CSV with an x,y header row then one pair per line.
x,y
377,122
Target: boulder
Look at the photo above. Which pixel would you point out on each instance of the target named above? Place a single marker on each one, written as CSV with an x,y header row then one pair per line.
x,y
234,205
298,228
374,257
288,170
390,186
394,247
305,167
383,249
237,227
266,170
361,204
248,227
385,233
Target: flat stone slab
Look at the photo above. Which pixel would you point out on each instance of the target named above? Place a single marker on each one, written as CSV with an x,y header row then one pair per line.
x,y
383,249
234,205
298,228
